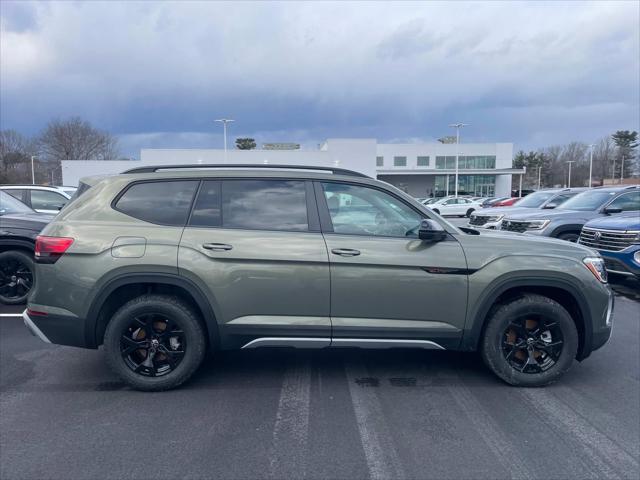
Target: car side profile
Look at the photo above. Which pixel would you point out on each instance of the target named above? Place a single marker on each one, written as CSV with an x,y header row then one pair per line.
x,y
41,198
458,206
162,264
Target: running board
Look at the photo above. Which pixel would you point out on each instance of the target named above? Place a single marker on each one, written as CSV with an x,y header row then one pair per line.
x,y
321,342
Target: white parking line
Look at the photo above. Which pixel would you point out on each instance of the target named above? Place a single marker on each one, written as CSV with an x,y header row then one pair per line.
x,y
17,315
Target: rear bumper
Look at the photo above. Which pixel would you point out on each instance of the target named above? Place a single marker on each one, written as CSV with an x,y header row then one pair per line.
x,y
58,329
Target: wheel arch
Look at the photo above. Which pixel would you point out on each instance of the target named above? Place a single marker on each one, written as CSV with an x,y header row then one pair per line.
x,y
7,244
563,292
569,228
126,287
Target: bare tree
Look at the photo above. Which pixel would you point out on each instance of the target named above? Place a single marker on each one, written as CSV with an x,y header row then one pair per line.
x,y
15,153
76,139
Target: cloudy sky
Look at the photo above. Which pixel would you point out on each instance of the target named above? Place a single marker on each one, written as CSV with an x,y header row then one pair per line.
x,y
158,73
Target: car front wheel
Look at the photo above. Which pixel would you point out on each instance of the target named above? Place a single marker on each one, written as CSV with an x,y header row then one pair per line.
x,y
155,342
530,341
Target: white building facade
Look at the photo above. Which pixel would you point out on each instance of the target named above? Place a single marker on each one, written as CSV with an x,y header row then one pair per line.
x,y
420,169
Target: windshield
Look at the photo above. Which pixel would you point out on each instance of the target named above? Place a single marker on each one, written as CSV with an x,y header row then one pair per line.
x,y
587,201
9,205
534,200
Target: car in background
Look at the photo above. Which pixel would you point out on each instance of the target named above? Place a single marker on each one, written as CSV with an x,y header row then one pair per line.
x,y
491,200
566,221
68,189
19,226
428,201
617,240
41,198
542,199
462,207
507,202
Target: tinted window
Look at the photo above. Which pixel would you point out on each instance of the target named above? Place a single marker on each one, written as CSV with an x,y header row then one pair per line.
x,y
15,193
362,210
47,200
534,200
166,203
264,205
206,211
587,201
9,205
628,202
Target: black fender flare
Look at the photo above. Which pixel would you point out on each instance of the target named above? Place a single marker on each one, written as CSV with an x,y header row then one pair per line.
x,y
471,336
570,227
91,331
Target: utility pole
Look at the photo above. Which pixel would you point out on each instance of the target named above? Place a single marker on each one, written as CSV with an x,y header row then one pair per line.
x,y
33,171
570,162
622,169
591,163
539,175
224,122
457,126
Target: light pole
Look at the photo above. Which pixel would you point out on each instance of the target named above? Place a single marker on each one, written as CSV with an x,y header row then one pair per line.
x,y
622,169
33,171
224,122
539,175
591,163
570,162
457,126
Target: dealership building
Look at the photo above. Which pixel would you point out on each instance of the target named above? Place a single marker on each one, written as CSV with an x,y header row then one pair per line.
x,y
420,169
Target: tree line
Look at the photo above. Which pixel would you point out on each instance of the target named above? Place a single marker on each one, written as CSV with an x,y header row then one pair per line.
x,y
62,139
613,156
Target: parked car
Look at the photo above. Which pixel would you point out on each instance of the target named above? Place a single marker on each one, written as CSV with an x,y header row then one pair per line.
x,y
542,199
19,226
507,202
429,201
490,201
40,198
566,221
161,264
69,190
617,239
460,206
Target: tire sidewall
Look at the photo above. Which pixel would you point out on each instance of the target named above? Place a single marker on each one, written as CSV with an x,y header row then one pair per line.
x,y
178,312
27,260
502,316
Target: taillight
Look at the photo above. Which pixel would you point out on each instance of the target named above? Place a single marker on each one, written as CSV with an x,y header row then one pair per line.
x,y
50,249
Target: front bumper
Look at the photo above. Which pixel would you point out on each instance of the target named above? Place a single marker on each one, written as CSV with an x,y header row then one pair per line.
x,y
622,263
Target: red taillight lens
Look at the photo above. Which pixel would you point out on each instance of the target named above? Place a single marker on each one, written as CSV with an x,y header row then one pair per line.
x,y
50,249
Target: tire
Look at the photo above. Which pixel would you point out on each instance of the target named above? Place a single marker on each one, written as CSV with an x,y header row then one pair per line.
x,y
495,347
154,308
17,277
469,212
569,237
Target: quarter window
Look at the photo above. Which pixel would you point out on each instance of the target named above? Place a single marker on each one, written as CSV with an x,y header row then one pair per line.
x,y
359,210
166,203
264,205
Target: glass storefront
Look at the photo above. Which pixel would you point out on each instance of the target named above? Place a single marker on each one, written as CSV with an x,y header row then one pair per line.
x,y
477,185
466,162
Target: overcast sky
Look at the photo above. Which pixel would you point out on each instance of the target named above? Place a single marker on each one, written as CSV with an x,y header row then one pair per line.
x,y
158,73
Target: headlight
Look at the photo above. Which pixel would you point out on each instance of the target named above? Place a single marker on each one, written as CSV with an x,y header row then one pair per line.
x,y
495,218
537,224
636,239
636,256
596,266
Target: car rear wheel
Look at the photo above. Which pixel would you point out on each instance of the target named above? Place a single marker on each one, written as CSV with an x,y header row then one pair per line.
x,y
155,342
530,341
16,277
469,212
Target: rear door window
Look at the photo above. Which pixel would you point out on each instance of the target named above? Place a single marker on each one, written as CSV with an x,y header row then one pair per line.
x,y
264,205
47,200
164,203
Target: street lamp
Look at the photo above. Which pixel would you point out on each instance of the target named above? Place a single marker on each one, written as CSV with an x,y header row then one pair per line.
x,y
591,163
457,126
224,122
622,169
539,175
570,162
33,171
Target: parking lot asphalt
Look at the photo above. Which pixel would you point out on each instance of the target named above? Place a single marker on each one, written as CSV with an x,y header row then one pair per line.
x,y
320,414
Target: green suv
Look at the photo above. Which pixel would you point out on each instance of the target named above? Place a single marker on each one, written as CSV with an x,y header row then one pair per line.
x,y
162,264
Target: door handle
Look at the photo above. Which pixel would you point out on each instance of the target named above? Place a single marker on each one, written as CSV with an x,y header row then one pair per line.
x,y
216,247
346,252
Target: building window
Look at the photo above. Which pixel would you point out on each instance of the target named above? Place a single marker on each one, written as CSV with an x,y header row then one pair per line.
x,y
399,161
466,162
379,161
423,161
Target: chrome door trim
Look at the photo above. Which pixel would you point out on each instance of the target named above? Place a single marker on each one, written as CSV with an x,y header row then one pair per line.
x,y
385,343
296,342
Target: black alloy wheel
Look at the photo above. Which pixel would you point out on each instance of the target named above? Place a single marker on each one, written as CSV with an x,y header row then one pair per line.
x,y
532,343
153,345
16,277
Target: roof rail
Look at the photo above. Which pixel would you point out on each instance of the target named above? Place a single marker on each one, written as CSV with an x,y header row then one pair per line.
x,y
155,168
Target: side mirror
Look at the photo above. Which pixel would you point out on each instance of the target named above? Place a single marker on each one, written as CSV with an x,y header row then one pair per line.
x,y
431,231
550,205
610,210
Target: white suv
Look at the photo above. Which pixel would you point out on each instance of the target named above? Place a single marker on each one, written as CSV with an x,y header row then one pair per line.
x,y
42,199
463,207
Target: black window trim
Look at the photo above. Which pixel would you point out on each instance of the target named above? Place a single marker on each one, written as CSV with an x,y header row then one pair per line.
x,y
326,224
